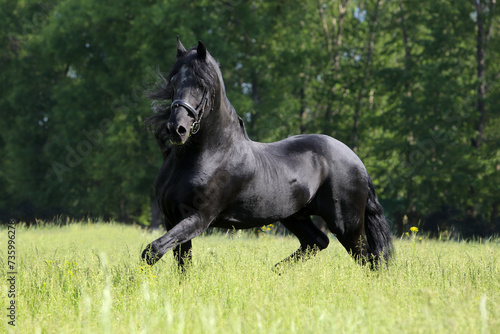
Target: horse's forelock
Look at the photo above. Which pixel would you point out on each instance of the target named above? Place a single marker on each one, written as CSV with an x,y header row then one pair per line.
x,y
206,72
202,70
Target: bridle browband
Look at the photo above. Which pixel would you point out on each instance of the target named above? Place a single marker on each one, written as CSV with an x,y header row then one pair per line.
x,y
197,113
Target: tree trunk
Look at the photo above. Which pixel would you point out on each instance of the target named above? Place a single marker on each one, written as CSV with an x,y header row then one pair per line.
x,y
481,44
407,51
302,111
333,45
481,88
361,92
407,95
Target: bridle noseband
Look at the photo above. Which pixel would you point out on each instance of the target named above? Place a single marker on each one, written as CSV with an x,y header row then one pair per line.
x,y
197,113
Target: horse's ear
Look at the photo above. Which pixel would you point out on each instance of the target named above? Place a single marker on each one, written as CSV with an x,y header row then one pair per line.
x,y
202,51
180,48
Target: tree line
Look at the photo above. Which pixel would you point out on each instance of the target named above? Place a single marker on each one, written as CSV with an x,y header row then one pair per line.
x,y
411,86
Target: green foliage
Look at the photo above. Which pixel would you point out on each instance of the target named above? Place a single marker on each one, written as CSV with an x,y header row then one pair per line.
x,y
396,81
75,279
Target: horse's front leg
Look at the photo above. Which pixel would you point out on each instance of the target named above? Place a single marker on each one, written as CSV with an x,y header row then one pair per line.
x,y
182,254
182,232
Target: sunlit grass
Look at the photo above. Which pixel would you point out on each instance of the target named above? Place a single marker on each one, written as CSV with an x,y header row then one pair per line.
x,y
88,278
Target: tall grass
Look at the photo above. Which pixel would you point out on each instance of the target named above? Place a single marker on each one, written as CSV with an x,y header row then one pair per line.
x,y
87,278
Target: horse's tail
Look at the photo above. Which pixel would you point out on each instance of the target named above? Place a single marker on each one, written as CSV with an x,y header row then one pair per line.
x,y
378,232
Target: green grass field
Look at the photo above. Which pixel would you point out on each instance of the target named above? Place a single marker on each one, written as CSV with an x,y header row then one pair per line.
x,y
87,278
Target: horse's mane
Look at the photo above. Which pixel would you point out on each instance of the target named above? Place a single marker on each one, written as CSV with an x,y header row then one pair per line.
x,y
157,125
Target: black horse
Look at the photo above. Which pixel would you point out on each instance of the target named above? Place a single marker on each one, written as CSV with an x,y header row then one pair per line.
x,y
213,175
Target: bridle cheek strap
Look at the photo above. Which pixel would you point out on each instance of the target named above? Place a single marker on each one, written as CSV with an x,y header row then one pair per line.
x,y
197,113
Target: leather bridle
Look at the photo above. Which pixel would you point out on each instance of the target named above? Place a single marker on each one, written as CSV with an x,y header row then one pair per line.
x,y
197,113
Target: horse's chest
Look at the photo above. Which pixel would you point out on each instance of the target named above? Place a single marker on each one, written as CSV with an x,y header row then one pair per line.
x,y
181,192
170,188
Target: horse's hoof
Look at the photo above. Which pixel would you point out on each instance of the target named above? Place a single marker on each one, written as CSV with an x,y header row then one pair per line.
x,y
150,255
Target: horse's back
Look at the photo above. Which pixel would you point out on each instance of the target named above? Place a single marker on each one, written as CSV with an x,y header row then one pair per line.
x,y
338,156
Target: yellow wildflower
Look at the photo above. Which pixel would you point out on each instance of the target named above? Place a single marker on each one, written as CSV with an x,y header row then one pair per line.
x,y
414,229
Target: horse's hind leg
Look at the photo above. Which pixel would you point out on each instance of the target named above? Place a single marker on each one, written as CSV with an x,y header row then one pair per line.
x,y
350,235
311,238
356,245
344,214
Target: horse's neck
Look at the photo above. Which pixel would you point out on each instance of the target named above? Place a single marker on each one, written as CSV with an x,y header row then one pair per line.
x,y
230,131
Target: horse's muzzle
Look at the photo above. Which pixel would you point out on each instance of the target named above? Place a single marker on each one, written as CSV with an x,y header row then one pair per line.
x,y
178,133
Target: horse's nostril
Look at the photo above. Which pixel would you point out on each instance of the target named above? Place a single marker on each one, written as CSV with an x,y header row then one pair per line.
x,y
181,130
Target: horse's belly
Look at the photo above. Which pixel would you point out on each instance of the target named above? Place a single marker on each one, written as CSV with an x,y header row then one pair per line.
x,y
233,222
270,205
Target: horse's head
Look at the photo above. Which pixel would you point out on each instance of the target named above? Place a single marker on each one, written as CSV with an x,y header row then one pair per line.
x,y
191,87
